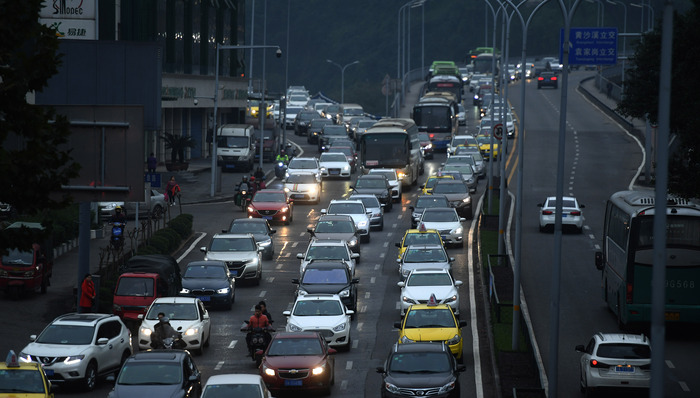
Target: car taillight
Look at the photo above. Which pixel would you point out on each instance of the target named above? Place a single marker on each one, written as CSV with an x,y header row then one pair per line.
x,y
575,213
553,78
596,364
540,78
547,212
629,293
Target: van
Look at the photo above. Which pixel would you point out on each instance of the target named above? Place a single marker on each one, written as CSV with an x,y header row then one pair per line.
x,y
28,268
235,147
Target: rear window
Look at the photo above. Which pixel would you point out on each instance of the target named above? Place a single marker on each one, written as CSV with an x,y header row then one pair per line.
x,y
624,351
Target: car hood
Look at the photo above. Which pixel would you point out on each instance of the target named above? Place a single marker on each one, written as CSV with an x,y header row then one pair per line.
x,y
232,256
54,350
300,187
179,325
334,165
370,191
421,380
430,334
356,218
293,361
455,196
411,266
323,288
317,322
441,225
346,236
204,283
268,205
163,391
424,292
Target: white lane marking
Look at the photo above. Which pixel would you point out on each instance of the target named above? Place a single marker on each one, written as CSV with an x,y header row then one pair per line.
x,y
344,385
386,244
219,365
262,293
355,344
348,365
295,244
192,246
377,266
287,254
398,305
360,325
271,279
372,279
381,255
367,294
684,386
400,216
232,344
279,266
394,225
670,364
389,234
363,310
302,234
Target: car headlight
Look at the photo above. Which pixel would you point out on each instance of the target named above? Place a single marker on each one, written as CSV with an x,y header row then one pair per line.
x,y
73,359
429,146
251,209
23,357
313,189
454,340
146,331
284,210
391,388
268,371
191,332
408,300
223,291
450,299
447,387
286,189
362,224
339,328
323,169
352,242
253,261
293,328
458,231
318,370
344,293
266,243
406,340
401,175
346,168
184,291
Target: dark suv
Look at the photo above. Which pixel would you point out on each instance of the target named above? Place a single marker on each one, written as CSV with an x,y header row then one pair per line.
x,y
329,277
377,185
315,129
420,369
328,131
301,122
547,79
158,373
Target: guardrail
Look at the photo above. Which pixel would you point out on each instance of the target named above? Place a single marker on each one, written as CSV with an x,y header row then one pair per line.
x,y
495,302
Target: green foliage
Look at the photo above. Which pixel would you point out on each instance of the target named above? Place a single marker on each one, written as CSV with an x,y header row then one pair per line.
x,y
160,243
177,145
182,224
167,240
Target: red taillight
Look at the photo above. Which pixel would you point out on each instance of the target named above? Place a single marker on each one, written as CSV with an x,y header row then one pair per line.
x,y
431,136
553,78
547,212
629,293
540,78
596,364
575,213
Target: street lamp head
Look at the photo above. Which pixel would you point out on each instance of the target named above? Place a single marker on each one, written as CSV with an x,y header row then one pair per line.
x,y
196,101
278,53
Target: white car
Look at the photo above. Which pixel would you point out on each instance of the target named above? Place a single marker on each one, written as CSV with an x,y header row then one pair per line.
x,y
420,284
571,213
152,207
355,209
79,348
394,182
235,385
241,253
446,222
290,115
615,360
187,315
304,165
297,99
303,187
462,115
423,256
335,164
322,313
328,250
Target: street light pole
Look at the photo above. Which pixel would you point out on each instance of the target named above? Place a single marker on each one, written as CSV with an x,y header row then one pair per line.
x,y
342,77
624,44
651,13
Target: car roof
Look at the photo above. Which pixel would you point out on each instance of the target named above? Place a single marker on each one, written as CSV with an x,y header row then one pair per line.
x,y
210,263
271,190
335,217
432,246
75,318
372,177
327,242
622,338
234,378
430,271
227,235
325,264
420,346
295,335
176,300
159,356
318,296
345,201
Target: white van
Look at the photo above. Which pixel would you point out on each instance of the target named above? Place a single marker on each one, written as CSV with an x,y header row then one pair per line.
x,y
235,147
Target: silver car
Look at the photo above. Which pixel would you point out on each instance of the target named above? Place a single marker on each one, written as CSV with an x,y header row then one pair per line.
x,y
469,159
446,222
328,250
457,194
356,210
376,218
467,172
423,256
240,252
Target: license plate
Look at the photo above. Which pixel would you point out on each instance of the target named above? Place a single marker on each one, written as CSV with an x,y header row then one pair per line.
x,y
672,316
49,372
204,298
293,383
334,172
624,369
267,217
230,166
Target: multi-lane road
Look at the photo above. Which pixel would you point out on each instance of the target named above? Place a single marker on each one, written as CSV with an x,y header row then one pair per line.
x,y
600,159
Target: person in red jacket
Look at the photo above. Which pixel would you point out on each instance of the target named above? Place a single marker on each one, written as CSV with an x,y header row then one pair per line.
x,y
87,294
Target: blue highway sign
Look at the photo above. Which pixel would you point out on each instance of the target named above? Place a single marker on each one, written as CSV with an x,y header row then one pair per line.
x,y
591,46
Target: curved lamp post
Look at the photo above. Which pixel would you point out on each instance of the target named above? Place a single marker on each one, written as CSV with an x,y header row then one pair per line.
x,y
342,77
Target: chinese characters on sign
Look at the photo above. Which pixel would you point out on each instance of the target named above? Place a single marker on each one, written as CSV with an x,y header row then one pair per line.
x,y
591,46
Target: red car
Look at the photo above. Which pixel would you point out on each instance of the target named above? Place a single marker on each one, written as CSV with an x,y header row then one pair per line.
x,y
298,361
271,205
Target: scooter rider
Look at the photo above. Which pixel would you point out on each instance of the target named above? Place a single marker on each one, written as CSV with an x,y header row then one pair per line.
x,y
282,157
118,216
162,332
243,186
258,320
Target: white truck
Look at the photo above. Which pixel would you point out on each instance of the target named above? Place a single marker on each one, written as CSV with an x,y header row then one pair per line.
x,y
235,147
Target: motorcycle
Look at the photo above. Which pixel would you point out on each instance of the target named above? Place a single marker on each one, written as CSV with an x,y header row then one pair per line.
x,y
257,343
246,197
280,170
117,238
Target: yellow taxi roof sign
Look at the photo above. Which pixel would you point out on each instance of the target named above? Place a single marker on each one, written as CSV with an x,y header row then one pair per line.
x,y
11,360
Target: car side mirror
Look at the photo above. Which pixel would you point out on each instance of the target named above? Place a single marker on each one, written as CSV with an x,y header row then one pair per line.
x,y
295,281
458,283
102,341
203,249
462,219
332,351
287,313
398,261
452,259
401,284
580,348
323,211
411,208
380,369
272,231
300,256
355,280
581,206
223,231
355,255
397,244
540,205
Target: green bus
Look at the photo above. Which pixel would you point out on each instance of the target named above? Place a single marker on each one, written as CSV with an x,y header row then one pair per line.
x,y
627,257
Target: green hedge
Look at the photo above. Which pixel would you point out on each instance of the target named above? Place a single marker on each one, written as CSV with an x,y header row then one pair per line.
x,y
168,239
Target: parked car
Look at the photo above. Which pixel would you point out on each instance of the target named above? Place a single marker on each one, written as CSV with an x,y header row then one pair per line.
x,y
210,282
323,313
187,315
159,373
97,344
261,231
241,254
153,206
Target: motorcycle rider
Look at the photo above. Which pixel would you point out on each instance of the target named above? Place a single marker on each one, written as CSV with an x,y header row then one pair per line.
x,y
282,157
161,331
118,216
258,320
244,185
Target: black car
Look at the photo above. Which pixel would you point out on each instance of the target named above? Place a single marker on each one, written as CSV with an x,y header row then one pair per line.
x,y
337,227
377,185
328,131
425,202
158,373
547,79
302,120
210,282
329,277
260,228
315,129
420,369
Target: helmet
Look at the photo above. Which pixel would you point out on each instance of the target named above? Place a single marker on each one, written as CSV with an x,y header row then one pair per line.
x,y
118,209
245,178
252,178
282,152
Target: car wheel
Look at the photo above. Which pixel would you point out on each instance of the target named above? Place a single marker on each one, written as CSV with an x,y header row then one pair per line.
x,y
206,343
364,238
541,228
90,379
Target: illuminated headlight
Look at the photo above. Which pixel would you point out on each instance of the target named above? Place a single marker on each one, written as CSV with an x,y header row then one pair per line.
x,y
344,293
323,169
458,231
429,146
346,168
352,242
468,199
447,387
223,291
406,340
74,359
284,210
286,189
339,328
145,331
450,299
184,291
293,328
408,300
317,370
251,209
476,97
401,175
266,243
191,332
313,189
392,388
286,174
456,339
268,371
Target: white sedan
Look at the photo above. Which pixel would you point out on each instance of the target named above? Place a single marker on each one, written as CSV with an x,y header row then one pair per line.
x,y
322,313
235,385
422,283
446,221
187,315
303,187
335,164
571,213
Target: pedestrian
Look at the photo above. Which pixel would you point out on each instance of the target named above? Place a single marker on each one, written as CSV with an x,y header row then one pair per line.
x,y
87,294
172,189
152,163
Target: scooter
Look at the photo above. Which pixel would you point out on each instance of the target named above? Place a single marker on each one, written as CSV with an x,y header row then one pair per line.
x,y
117,238
259,339
246,196
280,170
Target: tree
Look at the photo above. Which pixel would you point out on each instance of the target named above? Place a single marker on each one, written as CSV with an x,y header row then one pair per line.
x,y
32,167
642,95
177,145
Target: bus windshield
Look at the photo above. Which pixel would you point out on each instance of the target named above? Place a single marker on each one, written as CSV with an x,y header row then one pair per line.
x,y
434,118
386,150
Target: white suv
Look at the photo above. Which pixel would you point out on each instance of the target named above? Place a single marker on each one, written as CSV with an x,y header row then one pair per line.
x,y
322,313
328,250
394,181
80,348
615,360
301,165
355,209
186,315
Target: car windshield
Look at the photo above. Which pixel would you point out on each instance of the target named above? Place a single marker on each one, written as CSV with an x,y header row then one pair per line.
x,y
334,130
436,279
431,182
298,98
66,335
333,157
134,373
459,141
566,203
347,151
427,238
368,201
334,227
424,256
419,362
249,228
327,253
460,160
440,216
174,311
302,179
232,245
430,318
233,142
277,197
372,183
303,164
18,257
134,286
318,308
450,188
425,202
333,276
346,208
20,381
232,390
390,175
465,169
624,351
293,347
366,123
205,272
294,110
353,112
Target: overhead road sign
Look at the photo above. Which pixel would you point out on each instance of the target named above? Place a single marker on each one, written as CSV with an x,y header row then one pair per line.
x,y
591,46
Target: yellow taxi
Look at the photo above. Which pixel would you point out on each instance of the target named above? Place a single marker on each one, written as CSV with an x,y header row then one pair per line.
x,y
427,188
254,109
19,379
420,236
485,147
432,322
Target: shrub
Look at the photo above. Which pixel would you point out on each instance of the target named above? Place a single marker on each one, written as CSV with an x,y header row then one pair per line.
x,y
160,244
171,236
